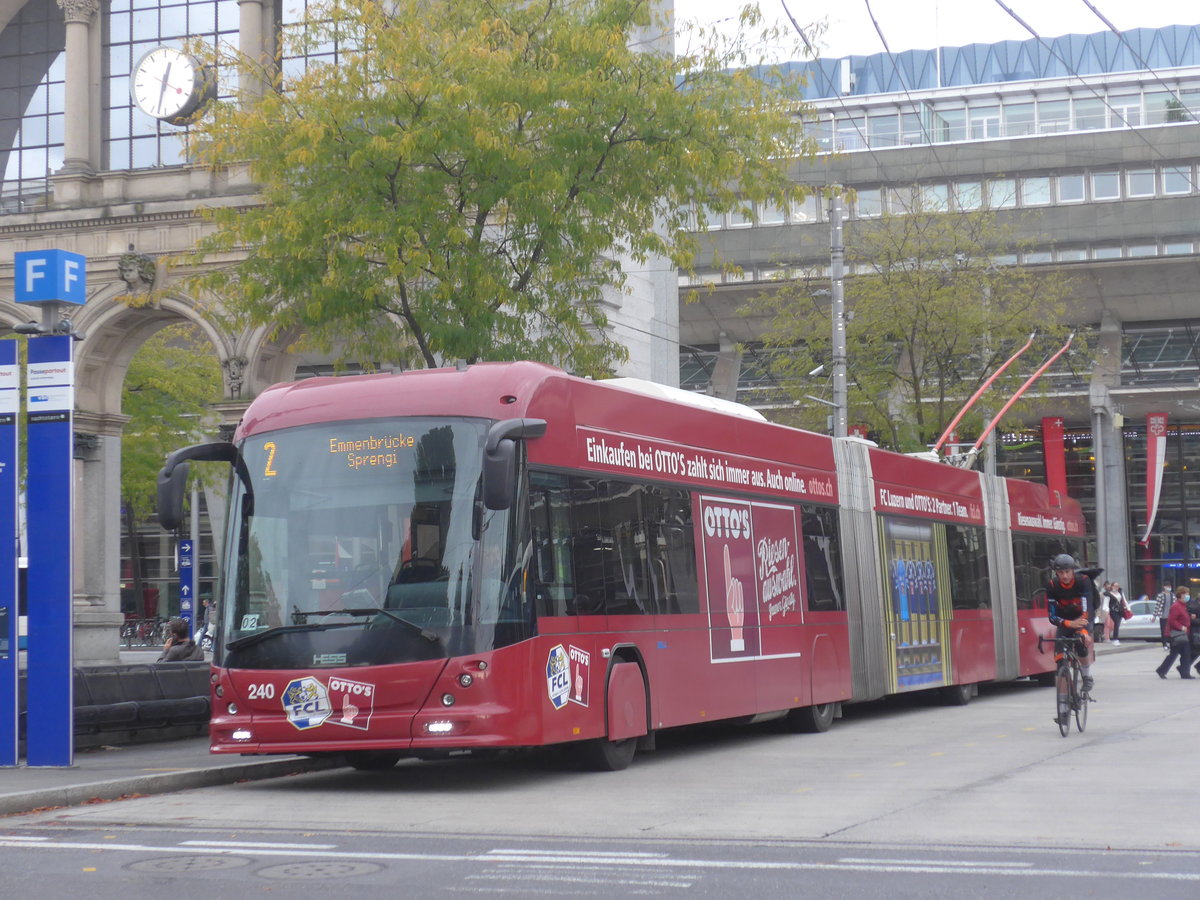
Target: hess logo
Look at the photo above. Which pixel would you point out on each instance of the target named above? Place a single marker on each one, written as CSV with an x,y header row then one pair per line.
x,y
727,522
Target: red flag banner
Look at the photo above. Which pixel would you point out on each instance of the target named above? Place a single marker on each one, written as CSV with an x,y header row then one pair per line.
x,y
1156,455
1055,454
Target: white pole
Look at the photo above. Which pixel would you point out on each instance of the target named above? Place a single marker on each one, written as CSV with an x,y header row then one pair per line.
x,y
837,312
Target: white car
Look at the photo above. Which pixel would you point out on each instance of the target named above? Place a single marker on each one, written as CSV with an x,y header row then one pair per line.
x,y
1144,625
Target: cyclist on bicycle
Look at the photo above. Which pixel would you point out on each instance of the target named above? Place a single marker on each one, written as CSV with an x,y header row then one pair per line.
x,y
1068,596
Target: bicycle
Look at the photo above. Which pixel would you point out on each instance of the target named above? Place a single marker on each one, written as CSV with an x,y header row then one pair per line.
x,y
1070,697
151,632
128,631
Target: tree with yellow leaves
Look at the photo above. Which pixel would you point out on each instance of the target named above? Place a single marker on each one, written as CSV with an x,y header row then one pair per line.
x,y
464,177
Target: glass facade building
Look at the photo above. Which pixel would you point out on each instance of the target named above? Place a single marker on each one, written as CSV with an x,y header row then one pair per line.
x,y
1090,142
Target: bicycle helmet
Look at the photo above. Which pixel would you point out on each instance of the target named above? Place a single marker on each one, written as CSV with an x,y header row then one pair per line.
x,y
1063,561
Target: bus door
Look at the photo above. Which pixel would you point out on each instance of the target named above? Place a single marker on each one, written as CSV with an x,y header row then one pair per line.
x,y
553,543
915,606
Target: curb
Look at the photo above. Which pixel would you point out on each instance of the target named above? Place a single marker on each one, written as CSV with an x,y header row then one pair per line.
x,y
160,783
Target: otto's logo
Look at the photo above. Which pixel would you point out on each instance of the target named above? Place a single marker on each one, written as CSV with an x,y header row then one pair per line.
x,y
725,521
558,677
581,675
306,703
354,701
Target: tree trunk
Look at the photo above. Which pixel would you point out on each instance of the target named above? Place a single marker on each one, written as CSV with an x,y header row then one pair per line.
x,y
135,561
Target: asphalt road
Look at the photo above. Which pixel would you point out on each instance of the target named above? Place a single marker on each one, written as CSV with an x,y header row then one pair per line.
x,y
899,799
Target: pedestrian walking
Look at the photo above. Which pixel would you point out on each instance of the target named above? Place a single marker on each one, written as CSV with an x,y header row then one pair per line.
x,y
1162,602
1179,621
1194,630
1117,606
1095,601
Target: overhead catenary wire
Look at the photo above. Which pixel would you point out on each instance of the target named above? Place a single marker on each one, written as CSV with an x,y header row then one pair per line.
x,y
1138,57
836,93
1066,63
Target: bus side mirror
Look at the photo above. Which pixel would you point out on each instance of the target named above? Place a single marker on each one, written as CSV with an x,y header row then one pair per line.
x,y
172,477
171,486
500,459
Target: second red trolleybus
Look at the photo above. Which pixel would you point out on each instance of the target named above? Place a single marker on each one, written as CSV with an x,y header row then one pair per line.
x,y
503,555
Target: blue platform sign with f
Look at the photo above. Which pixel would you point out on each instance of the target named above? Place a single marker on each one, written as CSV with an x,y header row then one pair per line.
x,y
55,276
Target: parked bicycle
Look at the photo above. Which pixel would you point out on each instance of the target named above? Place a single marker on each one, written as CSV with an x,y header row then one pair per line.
x,y
128,632
144,632
1070,697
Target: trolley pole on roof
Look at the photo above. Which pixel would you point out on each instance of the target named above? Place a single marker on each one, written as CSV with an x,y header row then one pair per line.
x,y
837,259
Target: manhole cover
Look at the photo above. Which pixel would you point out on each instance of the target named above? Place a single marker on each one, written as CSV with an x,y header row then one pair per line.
x,y
188,863
321,869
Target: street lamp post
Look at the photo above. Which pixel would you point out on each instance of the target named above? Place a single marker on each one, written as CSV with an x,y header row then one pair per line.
x,y
837,260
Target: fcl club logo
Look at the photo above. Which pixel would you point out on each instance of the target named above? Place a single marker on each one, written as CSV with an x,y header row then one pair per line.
x,y
558,676
306,703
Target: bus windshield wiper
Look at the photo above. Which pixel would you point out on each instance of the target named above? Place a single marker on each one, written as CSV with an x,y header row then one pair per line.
x,y
258,636
411,626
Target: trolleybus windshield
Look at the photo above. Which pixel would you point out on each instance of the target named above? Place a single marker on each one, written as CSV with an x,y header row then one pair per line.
x,y
367,542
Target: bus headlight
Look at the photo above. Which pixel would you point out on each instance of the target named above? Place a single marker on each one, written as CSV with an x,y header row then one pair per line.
x,y
447,699
439,727
232,709
466,679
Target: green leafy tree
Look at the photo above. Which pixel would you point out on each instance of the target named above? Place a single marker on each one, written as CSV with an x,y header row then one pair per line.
x,y
465,181
172,381
931,313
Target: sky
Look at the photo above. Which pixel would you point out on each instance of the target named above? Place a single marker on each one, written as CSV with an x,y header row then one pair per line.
x,y
923,24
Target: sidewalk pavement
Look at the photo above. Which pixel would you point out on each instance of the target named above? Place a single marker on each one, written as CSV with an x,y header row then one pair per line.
x,y
111,772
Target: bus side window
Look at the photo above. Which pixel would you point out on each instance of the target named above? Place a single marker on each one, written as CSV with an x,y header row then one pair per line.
x,y
550,522
970,583
673,550
592,547
611,548
1031,563
822,557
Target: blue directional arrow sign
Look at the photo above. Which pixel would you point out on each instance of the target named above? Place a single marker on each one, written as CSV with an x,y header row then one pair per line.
x,y
187,583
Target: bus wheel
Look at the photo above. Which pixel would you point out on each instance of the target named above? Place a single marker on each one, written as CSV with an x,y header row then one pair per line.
x,y
958,694
811,719
603,755
1044,679
371,760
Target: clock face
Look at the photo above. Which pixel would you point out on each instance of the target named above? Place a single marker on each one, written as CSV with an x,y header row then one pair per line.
x,y
166,83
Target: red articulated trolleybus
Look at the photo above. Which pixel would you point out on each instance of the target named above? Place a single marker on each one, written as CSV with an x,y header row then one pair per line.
x,y
503,555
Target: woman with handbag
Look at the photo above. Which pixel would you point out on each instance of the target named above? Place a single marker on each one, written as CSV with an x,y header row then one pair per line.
x,y
1118,610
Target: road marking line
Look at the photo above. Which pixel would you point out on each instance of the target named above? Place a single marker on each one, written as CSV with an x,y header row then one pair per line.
x,y
575,854
257,845
576,879
929,862
633,860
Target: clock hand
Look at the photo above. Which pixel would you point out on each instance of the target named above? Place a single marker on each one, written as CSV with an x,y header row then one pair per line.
x,y
163,90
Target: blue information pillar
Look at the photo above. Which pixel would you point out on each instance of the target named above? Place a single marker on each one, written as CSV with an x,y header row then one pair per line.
x,y
52,280
48,516
187,583
10,402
